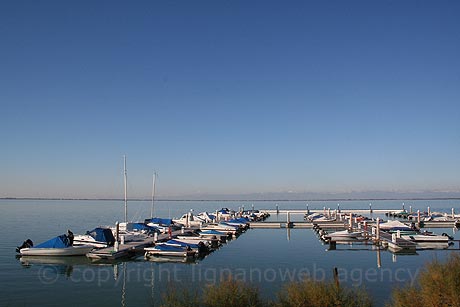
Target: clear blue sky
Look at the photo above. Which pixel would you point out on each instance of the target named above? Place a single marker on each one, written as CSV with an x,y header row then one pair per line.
x,y
229,97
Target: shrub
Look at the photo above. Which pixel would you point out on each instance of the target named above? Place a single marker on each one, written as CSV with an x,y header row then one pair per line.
x,y
437,286
309,293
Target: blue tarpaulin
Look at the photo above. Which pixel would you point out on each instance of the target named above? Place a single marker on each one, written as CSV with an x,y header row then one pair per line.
x,y
102,235
58,242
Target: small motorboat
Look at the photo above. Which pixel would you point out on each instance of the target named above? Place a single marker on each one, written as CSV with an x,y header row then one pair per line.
x,y
98,237
221,227
163,249
343,235
427,237
199,247
189,220
58,246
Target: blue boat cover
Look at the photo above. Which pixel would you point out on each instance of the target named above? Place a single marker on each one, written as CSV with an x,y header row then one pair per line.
x,y
159,221
166,247
140,226
102,235
213,232
57,242
241,220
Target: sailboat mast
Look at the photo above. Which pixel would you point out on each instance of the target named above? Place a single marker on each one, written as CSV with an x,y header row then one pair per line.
x,y
125,180
153,194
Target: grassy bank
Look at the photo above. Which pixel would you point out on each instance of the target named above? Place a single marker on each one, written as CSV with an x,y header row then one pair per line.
x,y
437,286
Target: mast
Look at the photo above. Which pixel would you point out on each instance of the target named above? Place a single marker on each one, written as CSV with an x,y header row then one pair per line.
x,y
125,180
153,193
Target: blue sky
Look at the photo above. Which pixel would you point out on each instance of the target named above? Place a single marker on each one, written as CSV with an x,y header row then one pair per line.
x,y
229,97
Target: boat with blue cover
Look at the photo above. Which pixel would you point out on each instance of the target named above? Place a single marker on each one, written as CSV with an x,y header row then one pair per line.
x,y
163,249
58,246
98,237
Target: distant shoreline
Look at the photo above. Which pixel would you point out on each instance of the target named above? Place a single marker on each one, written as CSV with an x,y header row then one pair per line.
x,y
234,200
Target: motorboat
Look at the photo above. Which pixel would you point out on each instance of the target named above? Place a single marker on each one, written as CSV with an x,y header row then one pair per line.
x,y
395,226
98,237
163,249
318,217
225,228
427,237
199,247
189,220
343,235
161,224
58,246
241,222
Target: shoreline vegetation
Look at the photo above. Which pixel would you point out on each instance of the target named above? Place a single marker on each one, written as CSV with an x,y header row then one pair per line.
x,y
437,285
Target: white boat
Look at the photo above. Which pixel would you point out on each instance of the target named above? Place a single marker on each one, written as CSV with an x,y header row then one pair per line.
x,y
98,237
222,228
65,251
343,235
427,237
318,217
394,224
58,246
189,220
168,250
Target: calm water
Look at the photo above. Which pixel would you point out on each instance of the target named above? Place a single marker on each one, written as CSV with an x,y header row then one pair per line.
x,y
265,257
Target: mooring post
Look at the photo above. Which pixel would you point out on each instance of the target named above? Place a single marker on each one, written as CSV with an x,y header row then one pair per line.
x,y
370,208
429,211
351,220
336,277
288,217
117,235
377,235
403,208
393,237
308,210
277,209
338,208
410,209
418,218
329,212
453,213
155,237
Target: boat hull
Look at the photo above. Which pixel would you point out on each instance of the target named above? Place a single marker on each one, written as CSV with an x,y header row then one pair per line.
x,y
66,251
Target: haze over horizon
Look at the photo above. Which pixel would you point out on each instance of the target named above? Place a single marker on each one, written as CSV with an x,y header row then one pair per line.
x,y
230,98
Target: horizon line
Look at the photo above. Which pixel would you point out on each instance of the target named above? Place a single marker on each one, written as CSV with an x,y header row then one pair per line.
x,y
234,200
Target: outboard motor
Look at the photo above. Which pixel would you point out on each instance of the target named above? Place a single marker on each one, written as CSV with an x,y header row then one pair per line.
x,y
26,244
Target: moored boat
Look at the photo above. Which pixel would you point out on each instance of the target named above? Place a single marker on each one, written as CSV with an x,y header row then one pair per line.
x,y
169,250
98,237
58,246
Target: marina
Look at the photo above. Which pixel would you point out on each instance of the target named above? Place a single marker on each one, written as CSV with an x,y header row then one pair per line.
x,y
254,243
